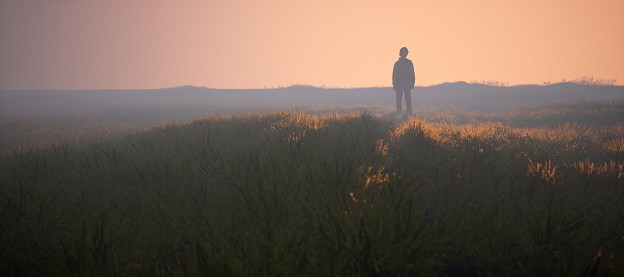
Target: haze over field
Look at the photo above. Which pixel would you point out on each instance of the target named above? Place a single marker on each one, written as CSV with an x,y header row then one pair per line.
x,y
459,95
60,45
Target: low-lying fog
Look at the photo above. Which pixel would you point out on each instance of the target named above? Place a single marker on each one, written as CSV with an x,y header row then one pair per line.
x,y
460,95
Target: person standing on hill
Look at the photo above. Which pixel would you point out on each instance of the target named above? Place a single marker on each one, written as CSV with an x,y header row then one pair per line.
x,y
403,80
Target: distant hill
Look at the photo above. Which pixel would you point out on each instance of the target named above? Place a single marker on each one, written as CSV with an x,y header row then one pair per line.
x,y
480,97
459,95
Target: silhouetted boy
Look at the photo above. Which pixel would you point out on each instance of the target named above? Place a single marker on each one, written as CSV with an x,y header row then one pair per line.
x,y
403,80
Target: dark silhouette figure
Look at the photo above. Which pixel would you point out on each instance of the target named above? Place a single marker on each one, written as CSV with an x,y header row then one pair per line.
x,y
403,80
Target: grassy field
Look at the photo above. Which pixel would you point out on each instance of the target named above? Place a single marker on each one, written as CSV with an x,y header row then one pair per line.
x,y
315,191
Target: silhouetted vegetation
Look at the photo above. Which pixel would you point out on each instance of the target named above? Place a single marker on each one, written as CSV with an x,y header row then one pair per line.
x,y
591,81
317,191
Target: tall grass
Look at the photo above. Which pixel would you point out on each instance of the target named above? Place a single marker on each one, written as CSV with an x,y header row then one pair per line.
x,y
323,193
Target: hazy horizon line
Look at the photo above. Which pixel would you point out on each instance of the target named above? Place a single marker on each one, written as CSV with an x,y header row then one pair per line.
x,y
583,82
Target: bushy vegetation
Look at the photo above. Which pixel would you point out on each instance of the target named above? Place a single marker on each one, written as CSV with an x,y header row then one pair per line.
x,y
586,80
324,191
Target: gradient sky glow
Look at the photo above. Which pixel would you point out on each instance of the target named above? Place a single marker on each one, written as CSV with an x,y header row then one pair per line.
x,y
136,44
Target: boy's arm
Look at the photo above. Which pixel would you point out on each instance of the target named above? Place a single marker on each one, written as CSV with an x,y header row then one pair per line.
x,y
412,76
394,77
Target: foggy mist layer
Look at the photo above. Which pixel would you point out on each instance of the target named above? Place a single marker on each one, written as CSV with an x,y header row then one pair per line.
x,y
458,95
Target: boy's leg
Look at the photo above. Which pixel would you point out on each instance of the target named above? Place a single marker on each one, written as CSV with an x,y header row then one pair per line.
x,y
399,97
408,101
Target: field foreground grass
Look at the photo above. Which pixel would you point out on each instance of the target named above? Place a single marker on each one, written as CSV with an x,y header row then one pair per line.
x,y
521,192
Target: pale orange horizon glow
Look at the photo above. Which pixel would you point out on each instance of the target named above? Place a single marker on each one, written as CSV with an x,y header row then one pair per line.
x,y
268,43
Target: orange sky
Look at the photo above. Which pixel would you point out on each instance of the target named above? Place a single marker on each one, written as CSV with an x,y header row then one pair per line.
x,y
255,44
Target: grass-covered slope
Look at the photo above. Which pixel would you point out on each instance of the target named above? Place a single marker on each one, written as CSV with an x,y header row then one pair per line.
x,y
293,194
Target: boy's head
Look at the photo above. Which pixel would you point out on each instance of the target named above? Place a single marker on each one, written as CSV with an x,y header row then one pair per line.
x,y
403,52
